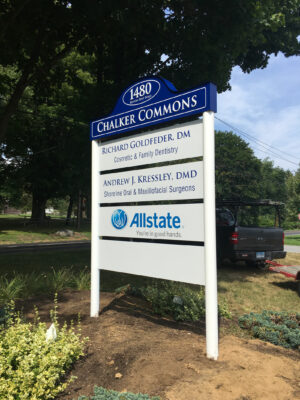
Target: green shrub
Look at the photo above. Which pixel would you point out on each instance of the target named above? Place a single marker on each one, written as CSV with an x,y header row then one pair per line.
x,y
82,280
3,315
183,302
60,279
291,225
103,394
11,288
17,286
32,367
279,328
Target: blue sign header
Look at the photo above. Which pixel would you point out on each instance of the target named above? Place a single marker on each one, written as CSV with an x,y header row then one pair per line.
x,y
153,101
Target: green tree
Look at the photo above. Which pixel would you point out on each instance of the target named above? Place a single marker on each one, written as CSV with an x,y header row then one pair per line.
x,y
63,63
210,37
274,181
238,171
201,41
293,202
47,151
34,36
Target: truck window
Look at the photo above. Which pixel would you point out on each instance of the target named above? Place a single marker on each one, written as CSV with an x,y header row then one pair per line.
x,y
224,217
263,216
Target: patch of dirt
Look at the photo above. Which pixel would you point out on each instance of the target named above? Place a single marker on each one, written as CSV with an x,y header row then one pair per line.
x,y
130,349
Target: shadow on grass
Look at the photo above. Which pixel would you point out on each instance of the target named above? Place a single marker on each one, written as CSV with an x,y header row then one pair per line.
x,y
286,285
238,272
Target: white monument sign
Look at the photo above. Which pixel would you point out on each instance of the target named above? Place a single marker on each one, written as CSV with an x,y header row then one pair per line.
x,y
153,193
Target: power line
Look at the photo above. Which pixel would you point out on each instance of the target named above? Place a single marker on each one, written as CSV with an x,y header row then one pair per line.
x,y
257,140
262,144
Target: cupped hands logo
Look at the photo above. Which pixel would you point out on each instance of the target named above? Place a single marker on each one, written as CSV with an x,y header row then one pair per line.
x,y
119,219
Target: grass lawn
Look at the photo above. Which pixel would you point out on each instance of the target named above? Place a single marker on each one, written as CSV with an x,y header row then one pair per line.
x,y
11,216
16,230
243,289
292,240
246,290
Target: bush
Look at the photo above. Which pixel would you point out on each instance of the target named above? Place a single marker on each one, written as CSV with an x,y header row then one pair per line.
x,y
291,225
32,367
279,328
21,286
11,289
104,394
183,302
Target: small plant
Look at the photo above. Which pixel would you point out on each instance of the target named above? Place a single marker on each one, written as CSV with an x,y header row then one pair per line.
x,y
17,286
103,394
279,328
182,302
31,367
60,279
11,289
82,281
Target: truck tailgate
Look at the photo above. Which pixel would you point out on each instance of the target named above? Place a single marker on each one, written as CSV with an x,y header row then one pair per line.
x,y
259,239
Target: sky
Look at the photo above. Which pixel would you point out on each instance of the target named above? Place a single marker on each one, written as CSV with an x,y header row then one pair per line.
x,y
265,104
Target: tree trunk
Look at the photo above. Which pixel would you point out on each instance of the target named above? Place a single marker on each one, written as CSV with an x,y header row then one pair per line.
x,y
88,207
79,213
70,209
38,208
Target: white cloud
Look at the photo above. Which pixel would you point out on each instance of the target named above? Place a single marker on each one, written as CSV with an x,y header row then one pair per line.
x,y
266,105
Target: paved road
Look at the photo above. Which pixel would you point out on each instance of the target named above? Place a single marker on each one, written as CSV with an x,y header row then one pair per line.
x,y
291,233
70,245
291,249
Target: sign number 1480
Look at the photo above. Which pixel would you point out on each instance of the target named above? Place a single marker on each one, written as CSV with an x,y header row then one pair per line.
x,y
140,91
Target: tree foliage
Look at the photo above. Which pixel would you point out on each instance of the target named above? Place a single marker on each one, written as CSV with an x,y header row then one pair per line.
x,y
47,149
238,172
293,194
240,175
201,40
63,63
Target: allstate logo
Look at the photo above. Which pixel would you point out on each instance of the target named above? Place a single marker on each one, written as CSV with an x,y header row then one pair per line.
x,y
119,219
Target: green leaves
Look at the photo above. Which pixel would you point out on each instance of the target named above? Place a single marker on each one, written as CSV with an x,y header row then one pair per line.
x,y
181,301
279,328
31,367
103,394
237,169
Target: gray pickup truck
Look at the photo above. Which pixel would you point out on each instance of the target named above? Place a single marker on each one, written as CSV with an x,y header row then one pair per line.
x,y
242,233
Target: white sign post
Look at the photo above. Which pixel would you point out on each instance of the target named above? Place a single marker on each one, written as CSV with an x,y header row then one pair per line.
x,y
153,198
211,292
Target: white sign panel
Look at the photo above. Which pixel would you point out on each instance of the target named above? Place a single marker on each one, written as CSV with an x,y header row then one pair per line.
x,y
164,261
179,142
132,232
167,222
171,182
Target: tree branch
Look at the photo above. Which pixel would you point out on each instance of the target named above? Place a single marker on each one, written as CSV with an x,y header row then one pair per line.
x,y
28,75
10,20
160,65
